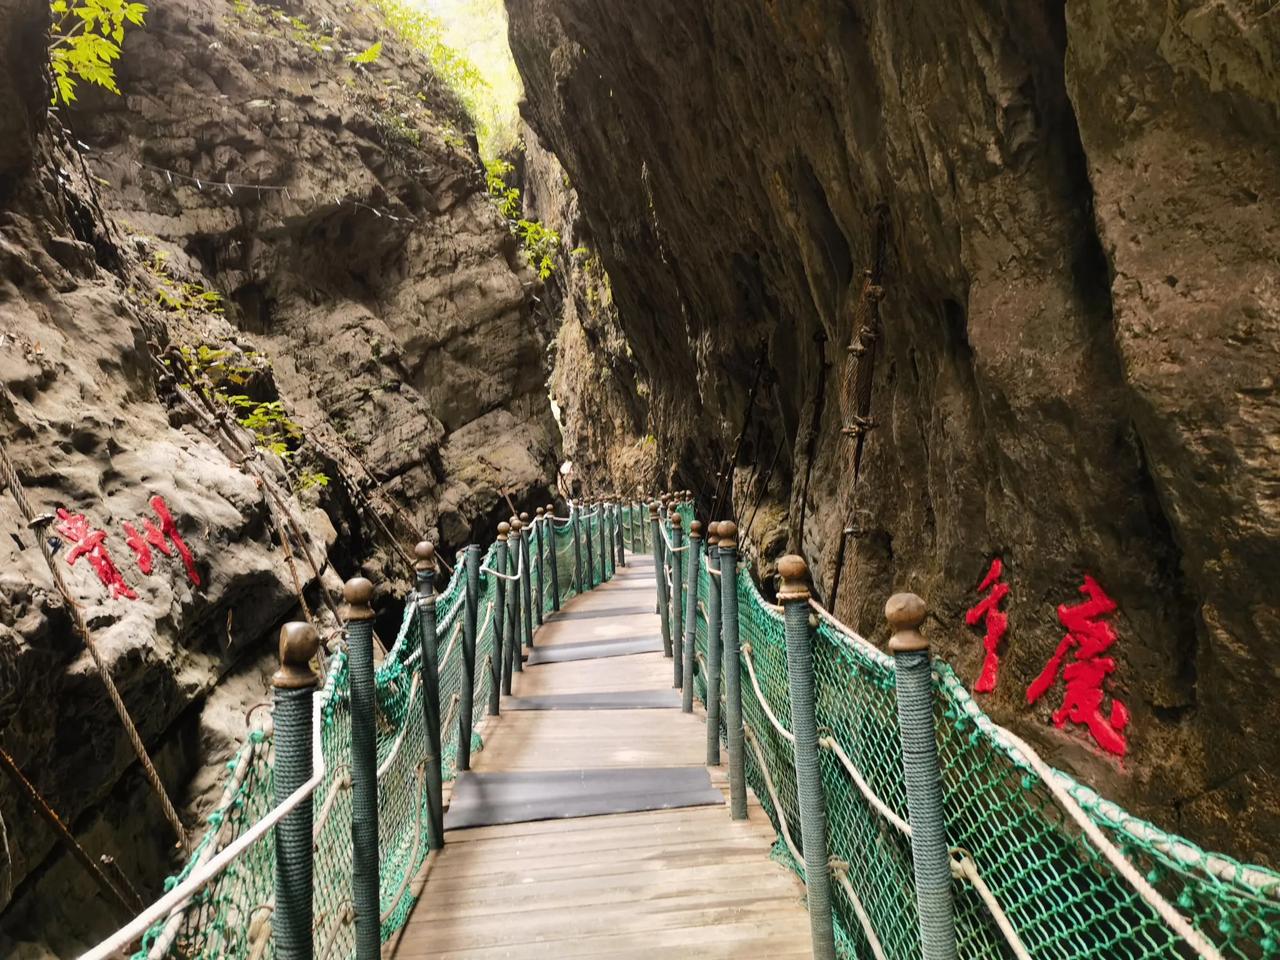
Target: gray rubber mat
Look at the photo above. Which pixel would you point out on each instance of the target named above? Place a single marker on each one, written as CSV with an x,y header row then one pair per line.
x,y
594,650
599,614
486,799
622,700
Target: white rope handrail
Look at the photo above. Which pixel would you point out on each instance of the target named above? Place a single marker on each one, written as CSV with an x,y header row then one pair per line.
x,y
417,654
238,775
963,867
413,854
260,928
404,729
449,715
840,870
345,919
1117,859
199,877
832,744
508,576
773,793
1015,745
851,636
764,702
447,620
484,625
1187,855
674,549
341,781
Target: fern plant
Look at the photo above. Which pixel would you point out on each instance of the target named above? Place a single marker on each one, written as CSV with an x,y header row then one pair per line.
x,y
84,42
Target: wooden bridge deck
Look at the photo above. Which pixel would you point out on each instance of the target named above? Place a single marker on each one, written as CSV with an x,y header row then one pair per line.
x,y
623,886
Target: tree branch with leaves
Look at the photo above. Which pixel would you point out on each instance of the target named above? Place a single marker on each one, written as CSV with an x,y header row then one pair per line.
x,y
84,42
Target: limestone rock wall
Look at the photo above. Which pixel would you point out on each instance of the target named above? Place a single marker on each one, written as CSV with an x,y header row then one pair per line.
x,y
598,388
1075,365
381,301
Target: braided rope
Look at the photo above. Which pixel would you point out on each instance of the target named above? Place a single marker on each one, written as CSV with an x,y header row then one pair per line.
x,y
764,701
39,524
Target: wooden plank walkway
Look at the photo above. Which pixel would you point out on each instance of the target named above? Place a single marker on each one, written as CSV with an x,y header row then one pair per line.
x,y
626,886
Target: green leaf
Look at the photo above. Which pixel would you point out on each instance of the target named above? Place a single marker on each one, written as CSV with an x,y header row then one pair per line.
x,y
370,55
90,54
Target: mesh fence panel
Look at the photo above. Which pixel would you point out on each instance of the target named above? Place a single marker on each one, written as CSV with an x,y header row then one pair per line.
x,y
1061,895
228,916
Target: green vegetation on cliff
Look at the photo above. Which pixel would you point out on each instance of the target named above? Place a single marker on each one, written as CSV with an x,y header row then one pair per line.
x,y
84,42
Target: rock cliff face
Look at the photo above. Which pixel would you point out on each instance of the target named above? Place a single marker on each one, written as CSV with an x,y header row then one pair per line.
x,y
375,313
596,384
1071,213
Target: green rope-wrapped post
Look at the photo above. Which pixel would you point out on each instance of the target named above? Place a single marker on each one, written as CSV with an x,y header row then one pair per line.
x,y
426,569
619,533
606,552
930,852
526,577
364,768
794,597
553,553
677,598
466,706
294,692
575,518
713,645
500,612
660,572
590,540
691,613
637,534
540,533
515,646
732,668
659,558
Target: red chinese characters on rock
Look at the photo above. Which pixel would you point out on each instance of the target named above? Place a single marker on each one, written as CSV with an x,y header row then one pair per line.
x,y
160,537
997,623
91,543
1088,638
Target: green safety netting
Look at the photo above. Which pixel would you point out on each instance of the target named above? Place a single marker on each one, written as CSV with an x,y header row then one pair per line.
x,y
1060,894
228,917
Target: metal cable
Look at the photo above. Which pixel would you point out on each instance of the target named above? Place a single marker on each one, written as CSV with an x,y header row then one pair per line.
x,y
39,525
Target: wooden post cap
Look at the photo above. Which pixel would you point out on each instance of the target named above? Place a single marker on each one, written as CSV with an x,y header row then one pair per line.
x,y
551,508
905,612
299,643
541,511
357,593
516,526
695,530
795,578
504,528
676,521
524,518
425,551
728,534
713,533
653,510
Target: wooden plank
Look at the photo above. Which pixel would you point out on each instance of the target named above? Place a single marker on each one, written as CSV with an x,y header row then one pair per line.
x,y
644,671
562,740
690,882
